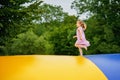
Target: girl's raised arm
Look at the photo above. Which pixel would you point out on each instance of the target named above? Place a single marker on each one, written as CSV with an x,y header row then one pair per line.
x,y
75,36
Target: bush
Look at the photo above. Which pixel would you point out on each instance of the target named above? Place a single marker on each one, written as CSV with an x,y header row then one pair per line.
x,y
30,43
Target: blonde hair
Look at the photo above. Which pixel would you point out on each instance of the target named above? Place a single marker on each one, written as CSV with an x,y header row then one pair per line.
x,y
83,25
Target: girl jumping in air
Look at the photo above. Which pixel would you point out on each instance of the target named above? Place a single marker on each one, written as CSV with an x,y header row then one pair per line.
x,y
80,35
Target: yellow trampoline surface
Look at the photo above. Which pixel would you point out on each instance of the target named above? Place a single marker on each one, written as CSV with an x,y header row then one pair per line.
x,y
48,67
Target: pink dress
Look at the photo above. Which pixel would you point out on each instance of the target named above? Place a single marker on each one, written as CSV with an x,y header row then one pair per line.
x,y
83,41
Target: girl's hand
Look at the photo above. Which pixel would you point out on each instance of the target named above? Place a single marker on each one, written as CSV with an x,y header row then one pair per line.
x,y
74,36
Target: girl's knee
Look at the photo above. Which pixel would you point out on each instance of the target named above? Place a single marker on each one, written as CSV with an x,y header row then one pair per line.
x,y
78,46
75,45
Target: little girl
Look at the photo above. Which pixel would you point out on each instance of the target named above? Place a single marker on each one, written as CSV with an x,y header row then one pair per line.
x,y
80,35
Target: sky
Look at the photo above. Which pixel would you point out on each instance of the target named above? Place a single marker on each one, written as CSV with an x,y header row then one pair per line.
x,y
66,5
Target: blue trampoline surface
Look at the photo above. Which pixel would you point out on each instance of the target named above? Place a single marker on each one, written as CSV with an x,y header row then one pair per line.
x,y
108,63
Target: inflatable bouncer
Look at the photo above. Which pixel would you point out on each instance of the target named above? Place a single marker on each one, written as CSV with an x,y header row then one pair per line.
x,y
60,67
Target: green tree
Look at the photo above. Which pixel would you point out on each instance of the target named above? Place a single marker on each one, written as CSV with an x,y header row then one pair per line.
x,y
32,30
30,43
52,13
14,17
62,37
51,17
101,38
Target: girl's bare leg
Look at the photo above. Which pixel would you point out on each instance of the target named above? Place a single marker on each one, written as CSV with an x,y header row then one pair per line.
x,y
85,48
82,46
81,52
80,49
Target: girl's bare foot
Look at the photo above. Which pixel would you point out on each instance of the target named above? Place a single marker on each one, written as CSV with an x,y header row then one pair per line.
x,y
81,54
86,48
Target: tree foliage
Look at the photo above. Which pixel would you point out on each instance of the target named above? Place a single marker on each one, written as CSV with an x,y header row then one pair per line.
x,y
30,43
33,27
62,37
14,17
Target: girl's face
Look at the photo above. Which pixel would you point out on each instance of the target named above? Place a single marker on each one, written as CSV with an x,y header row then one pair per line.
x,y
78,24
